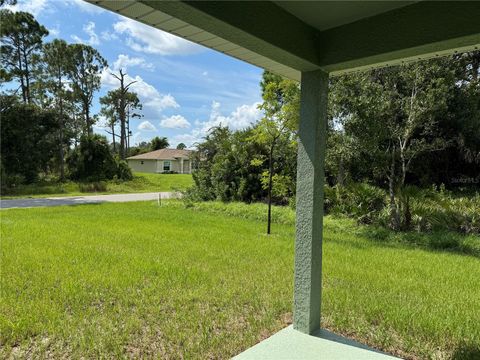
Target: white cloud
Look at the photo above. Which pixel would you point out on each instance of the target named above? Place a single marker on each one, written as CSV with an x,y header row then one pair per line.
x,y
107,35
188,139
147,126
35,7
54,31
137,138
143,38
125,61
241,118
89,29
149,96
157,100
175,122
205,73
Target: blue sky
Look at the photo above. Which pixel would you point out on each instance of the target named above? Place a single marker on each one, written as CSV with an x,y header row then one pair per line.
x,y
185,88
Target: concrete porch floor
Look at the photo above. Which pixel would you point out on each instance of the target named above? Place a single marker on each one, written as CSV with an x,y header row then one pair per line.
x,y
290,344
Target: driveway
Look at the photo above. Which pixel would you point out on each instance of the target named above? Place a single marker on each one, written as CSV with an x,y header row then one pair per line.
x,y
78,200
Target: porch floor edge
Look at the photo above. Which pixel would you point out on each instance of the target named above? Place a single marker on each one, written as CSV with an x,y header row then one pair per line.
x,y
290,344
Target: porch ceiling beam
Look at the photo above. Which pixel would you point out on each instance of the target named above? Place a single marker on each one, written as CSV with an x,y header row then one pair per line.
x,y
259,26
419,30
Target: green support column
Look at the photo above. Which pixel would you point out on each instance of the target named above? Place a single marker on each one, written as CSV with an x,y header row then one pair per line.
x,y
310,179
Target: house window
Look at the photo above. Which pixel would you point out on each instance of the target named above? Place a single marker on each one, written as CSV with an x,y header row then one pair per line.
x,y
141,162
166,165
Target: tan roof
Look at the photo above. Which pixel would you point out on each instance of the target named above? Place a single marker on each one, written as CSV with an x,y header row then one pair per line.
x,y
163,154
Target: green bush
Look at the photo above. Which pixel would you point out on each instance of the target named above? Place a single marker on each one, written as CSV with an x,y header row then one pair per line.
x,y
361,201
423,210
93,161
123,171
441,210
12,181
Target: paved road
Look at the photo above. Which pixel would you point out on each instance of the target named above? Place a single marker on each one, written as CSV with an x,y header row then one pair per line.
x,y
77,200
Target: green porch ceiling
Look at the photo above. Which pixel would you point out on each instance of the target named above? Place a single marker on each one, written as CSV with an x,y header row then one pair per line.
x,y
288,37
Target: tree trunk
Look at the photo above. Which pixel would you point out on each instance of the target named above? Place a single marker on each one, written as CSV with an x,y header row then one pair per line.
x,y
61,128
394,216
270,178
122,128
122,116
62,154
407,214
87,118
27,78
341,173
404,166
20,68
112,124
128,129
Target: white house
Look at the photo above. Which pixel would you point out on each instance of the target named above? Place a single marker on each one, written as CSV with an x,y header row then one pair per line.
x,y
163,160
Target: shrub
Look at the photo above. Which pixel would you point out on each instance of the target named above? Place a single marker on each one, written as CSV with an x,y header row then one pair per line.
x,y
12,181
423,210
443,211
361,201
92,160
123,171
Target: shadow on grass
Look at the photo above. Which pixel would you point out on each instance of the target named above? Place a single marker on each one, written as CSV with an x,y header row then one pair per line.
x,y
467,352
434,241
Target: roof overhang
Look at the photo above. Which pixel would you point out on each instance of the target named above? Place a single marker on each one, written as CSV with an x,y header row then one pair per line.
x,y
288,37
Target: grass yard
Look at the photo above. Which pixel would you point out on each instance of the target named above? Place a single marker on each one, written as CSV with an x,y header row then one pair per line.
x,y
142,182
136,280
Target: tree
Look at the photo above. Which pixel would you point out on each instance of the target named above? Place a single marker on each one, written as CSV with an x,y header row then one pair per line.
x,y
92,160
115,104
392,114
225,169
141,148
181,146
108,111
22,38
158,143
28,139
57,65
87,64
122,104
281,99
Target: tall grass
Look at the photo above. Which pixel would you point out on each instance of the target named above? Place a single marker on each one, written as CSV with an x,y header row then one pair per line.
x,y
438,239
141,281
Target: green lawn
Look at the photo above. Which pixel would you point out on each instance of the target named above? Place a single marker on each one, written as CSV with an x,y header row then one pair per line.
x,y
138,280
142,182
